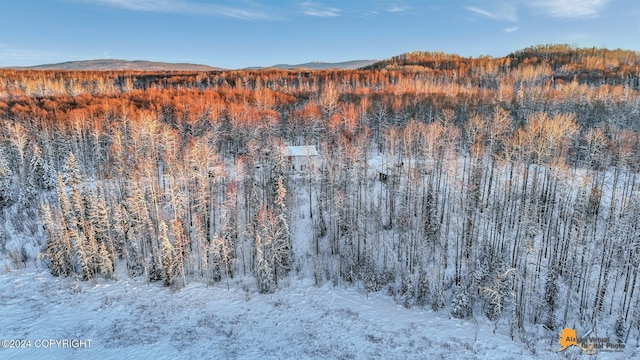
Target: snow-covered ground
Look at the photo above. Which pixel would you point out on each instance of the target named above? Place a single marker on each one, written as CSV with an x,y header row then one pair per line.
x,y
130,319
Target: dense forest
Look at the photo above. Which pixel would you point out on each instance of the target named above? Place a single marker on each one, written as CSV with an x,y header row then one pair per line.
x,y
498,187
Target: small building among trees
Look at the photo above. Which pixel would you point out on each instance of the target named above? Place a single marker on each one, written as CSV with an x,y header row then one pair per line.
x,y
298,157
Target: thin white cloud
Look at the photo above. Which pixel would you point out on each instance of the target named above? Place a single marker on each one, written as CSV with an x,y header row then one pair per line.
x,y
502,11
572,9
511,29
396,9
480,11
187,7
316,9
368,13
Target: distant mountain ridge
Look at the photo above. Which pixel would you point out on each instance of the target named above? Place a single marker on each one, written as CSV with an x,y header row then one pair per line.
x,y
143,65
319,65
116,64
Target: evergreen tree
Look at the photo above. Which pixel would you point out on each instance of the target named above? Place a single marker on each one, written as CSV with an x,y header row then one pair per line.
x,y
120,228
407,291
81,257
264,271
282,237
35,170
144,250
105,265
135,260
214,258
462,304
49,175
40,172
423,291
71,172
98,219
550,297
77,202
58,247
65,207
6,197
168,255
92,253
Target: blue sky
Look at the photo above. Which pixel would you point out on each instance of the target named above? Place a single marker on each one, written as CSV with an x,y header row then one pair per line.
x,y
242,33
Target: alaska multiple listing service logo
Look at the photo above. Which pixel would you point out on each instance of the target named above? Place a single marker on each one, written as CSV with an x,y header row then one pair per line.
x,y
588,344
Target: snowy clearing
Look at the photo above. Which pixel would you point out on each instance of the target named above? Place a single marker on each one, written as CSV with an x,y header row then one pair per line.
x,y
131,319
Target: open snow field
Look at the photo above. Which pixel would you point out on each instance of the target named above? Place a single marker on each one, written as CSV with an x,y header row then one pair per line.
x,y
130,319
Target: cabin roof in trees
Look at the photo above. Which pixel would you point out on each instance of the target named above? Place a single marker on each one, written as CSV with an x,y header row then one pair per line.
x,y
295,151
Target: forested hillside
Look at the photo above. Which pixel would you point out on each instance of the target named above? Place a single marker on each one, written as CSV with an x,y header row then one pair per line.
x,y
498,187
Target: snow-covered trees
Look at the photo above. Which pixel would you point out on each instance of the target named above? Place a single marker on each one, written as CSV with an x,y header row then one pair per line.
x,y
167,259
273,251
462,304
58,245
6,195
79,240
503,193
40,173
282,238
